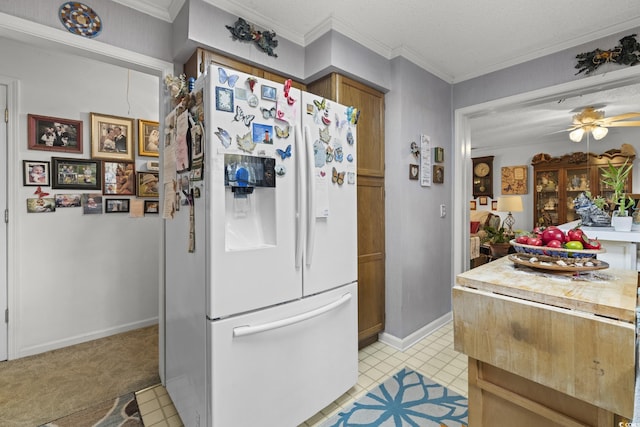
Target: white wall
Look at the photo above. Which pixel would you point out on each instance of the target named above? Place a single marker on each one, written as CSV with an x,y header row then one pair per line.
x,y
77,277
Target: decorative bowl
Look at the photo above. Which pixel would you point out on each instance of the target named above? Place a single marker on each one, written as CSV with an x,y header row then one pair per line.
x,y
556,252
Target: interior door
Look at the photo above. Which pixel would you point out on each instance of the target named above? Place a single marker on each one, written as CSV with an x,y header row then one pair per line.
x,y
3,227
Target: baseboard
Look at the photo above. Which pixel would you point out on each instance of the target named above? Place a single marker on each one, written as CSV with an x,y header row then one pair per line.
x,y
78,339
403,344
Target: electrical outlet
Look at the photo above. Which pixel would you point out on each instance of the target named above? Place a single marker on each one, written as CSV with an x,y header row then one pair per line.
x,y
443,211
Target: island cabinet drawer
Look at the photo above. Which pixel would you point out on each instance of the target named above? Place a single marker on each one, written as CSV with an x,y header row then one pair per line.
x,y
577,353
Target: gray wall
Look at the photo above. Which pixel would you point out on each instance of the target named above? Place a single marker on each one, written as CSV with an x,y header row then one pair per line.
x,y
419,243
539,73
122,27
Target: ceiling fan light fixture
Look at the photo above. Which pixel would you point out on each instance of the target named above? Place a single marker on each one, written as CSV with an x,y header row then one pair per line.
x,y
599,132
576,135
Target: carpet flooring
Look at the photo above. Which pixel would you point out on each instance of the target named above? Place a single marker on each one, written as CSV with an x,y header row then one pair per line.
x,y
406,399
38,389
120,412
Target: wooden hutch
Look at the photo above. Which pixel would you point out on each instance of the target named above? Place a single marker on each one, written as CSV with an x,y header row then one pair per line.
x,y
559,180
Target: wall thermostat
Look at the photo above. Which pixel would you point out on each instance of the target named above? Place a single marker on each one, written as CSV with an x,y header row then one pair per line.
x,y
153,166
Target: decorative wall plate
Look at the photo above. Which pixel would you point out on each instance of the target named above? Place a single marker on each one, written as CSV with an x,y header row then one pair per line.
x,y
80,19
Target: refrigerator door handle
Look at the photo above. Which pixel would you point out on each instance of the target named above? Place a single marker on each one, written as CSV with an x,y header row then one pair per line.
x,y
311,196
300,159
242,331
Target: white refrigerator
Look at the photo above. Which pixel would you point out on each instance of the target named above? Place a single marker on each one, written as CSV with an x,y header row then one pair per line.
x,y
261,307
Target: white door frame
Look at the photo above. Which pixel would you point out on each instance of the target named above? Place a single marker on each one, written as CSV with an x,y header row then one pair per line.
x,y
9,101
15,28
463,141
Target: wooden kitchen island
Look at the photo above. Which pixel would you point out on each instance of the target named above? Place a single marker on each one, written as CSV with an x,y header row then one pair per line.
x,y
544,349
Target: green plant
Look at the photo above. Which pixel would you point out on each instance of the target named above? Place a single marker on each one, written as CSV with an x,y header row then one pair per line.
x,y
616,179
599,201
497,235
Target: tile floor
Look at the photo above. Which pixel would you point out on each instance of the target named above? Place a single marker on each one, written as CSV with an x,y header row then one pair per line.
x,y
433,356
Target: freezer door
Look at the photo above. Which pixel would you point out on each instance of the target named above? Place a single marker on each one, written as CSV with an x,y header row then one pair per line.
x,y
252,211
331,253
280,366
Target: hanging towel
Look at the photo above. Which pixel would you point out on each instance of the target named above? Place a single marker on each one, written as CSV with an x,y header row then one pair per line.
x,y
474,247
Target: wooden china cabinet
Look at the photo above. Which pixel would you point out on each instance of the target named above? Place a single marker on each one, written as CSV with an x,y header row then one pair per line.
x,y
559,180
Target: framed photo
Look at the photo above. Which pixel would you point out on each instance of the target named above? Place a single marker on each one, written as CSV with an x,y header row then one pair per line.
x,y
41,205
151,207
147,184
438,174
148,138
54,134
79,174
36,173
68,201
111,137
116,205
472,205
438,154
224,99
514,180
119,178
414,172
268,92
483,200
92,203
494,205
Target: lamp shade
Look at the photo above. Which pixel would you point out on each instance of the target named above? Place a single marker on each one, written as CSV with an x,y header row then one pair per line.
x,y
599,132
510,204
576,135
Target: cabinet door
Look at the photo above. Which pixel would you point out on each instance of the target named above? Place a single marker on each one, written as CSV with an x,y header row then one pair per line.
x,y
548,209
576,181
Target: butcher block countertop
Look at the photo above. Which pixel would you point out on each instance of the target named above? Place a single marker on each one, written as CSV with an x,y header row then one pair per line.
x,y
610,292
572,336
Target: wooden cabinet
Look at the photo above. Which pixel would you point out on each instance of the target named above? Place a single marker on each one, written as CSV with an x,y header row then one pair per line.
x,y
559,180
544,351
371,229
201,58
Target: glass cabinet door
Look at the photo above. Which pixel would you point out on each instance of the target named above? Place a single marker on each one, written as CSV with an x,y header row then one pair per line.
x,y
547,203
577,181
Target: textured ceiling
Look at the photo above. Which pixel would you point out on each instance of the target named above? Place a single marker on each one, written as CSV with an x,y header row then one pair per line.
x,y
455,40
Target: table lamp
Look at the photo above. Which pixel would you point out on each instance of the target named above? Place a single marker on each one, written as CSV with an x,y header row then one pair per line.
x,y
509,204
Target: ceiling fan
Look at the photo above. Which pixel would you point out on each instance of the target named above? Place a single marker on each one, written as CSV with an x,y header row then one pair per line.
x,y
594,121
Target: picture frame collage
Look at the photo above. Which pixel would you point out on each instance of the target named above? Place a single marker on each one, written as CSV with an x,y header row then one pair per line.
x,y
110,171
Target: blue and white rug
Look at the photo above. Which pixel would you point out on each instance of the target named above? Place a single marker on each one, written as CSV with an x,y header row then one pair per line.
x,y
406,399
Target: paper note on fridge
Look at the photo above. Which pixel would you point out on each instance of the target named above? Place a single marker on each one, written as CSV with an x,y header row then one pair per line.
x,y
322,195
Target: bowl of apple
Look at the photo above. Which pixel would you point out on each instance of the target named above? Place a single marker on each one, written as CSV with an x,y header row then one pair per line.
x,y
553,242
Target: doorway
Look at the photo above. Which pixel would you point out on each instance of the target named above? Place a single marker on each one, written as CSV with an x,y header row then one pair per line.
x,y
463,141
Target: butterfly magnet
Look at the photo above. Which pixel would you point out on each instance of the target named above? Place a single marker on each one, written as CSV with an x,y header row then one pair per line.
x,y
282,133
284,153
244,118
337,177
223,77
224,137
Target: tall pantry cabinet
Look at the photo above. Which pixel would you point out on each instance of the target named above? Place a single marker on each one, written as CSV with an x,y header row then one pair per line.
x,y
371,228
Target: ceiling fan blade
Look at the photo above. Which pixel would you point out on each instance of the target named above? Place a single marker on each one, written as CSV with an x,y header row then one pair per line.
x,y
619,117
622,124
